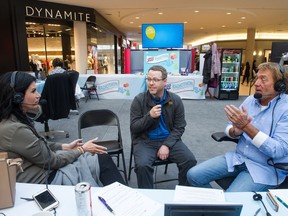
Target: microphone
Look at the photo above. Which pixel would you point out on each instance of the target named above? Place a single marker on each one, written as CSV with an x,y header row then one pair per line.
x,y
259,95
30,103
157,100
39,111
42,102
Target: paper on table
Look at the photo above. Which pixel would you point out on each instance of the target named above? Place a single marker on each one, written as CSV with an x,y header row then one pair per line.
x,y
281,193
124,201
197,195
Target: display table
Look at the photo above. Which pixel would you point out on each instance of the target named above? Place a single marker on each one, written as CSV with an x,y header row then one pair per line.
x,y
116,86
66,197
187,87
127,86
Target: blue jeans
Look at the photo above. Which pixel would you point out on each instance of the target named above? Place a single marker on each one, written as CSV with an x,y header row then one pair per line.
x,y
216,168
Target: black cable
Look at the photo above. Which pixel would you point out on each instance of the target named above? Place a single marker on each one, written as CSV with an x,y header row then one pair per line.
x,y
271,159
54,211
258,197
273,115
2,214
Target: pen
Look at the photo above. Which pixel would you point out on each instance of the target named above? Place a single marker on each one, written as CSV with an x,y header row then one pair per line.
x,y
105,203
281,201
256,213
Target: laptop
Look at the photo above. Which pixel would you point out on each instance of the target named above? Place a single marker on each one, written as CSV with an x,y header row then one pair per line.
x,y
202,209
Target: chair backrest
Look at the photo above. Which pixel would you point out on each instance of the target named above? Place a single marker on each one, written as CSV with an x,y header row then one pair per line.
x,y
90,82
100,117
73,75
59,95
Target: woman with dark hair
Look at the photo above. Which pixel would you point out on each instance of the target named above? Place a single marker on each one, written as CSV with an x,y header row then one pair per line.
x,y
43,161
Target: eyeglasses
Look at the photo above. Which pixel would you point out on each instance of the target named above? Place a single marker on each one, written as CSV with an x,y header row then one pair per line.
x,y
154,80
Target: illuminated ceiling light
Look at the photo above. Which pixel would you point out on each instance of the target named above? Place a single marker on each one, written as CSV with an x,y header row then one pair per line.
x,y
160,13
228,13
243,17
185,22
131,22
260,53
68,29
196,11
239,22
30,23
223,26
139,26
254,53
54,25
201,28
137,17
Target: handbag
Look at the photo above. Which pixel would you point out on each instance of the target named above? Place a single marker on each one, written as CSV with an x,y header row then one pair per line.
x,y
8,168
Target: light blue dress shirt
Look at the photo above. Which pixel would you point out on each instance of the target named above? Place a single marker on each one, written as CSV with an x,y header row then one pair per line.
x,y
270,142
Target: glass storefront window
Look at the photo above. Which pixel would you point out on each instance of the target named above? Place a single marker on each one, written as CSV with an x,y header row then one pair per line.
x,y
46,42
100,55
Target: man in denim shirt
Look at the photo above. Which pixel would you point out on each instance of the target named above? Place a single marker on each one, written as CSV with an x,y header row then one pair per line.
x,y
261,124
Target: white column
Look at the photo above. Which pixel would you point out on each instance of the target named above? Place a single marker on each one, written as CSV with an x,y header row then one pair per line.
x,y
80,43
250,44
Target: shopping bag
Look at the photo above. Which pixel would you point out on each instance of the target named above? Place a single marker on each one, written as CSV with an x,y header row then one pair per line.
x,y
8,169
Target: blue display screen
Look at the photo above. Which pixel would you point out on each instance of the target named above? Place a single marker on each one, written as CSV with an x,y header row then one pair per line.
x,y
162,35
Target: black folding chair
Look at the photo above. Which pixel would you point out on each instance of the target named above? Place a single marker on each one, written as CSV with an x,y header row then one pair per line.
x,y
90,87
104,119
156,163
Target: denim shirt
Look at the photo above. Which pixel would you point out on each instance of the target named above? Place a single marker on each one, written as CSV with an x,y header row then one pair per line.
x,y
270,142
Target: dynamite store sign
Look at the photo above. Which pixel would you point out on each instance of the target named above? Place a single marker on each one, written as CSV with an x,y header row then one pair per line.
x,y
57,14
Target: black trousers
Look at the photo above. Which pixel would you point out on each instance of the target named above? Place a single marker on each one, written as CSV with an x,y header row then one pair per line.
x,y
145,153
109,172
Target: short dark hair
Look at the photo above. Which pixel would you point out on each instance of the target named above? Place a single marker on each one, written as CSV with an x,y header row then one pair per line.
x,y
161,69
57,62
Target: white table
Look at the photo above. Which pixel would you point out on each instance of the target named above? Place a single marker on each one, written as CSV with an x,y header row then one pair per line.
x,y
127,86
66,197
40,85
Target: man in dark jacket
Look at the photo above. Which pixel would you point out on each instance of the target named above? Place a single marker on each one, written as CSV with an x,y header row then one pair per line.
x,y
157,122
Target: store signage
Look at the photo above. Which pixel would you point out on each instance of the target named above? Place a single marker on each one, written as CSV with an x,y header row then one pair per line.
x,y
59,11
56,14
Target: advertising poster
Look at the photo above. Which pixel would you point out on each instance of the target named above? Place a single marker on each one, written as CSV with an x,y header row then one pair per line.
x,y
168,59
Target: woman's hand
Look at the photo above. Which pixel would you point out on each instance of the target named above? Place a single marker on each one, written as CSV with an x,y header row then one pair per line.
x,y
72,145
93,148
